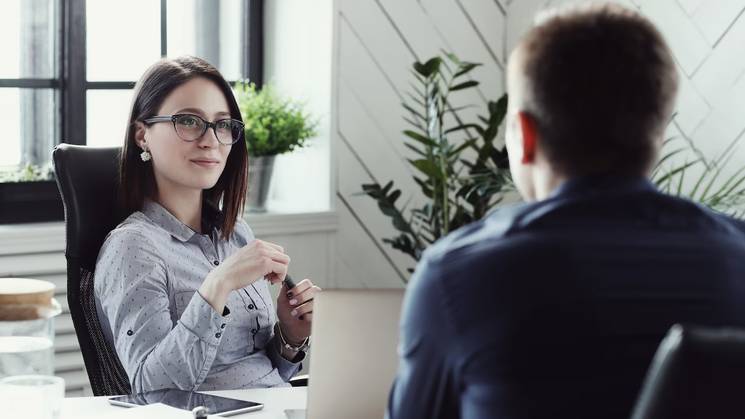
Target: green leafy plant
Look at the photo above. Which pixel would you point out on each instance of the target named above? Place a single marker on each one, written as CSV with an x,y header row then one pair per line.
x,y
701,179
460,171
28,173
273,124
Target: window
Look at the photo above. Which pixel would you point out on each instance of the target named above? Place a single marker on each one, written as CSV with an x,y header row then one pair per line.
x,y
205,28
61,81
29,83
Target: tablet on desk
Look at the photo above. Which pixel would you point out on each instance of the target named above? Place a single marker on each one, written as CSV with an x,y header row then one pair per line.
x,y
188,400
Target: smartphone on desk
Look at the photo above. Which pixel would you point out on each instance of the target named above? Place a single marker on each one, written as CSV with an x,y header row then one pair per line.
x,y
188,400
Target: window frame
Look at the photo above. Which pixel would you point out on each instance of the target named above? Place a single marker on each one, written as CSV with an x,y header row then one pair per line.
x,y
71,87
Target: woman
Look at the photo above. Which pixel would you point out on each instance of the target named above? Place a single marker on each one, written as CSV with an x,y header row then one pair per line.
x,y
181,287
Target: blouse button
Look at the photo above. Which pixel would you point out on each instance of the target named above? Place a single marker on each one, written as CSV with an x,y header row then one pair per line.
x,y
251,307
218,334
217,262
253,331
130,333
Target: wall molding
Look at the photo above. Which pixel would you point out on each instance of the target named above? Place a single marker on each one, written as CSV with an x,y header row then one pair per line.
x,y
291,224
19,239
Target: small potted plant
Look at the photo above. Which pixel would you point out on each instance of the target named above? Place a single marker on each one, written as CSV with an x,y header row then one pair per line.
x,y
273,125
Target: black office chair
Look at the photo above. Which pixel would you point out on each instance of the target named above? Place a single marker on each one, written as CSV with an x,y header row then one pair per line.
x,y
87,178
696,373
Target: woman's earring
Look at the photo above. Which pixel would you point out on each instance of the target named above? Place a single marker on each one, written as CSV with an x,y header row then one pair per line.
x,y
145,155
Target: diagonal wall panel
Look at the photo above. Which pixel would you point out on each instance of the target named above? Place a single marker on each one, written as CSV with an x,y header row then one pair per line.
x,y
715,18
463,36
724,65
488,20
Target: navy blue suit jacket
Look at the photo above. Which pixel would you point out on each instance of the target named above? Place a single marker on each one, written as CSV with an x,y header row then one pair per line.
x,y
554,309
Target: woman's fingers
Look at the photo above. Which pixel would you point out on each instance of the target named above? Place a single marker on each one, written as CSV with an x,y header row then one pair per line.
x,y
278,256
299,288
272,245
306,295
264,249
303,309
276,272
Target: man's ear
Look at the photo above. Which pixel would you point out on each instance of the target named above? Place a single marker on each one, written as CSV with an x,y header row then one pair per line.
x,y
529,136
140,134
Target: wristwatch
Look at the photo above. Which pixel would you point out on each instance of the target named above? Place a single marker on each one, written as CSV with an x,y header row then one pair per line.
x,y
298,349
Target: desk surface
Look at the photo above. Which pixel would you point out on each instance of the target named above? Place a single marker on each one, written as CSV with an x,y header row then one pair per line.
x,y
275,400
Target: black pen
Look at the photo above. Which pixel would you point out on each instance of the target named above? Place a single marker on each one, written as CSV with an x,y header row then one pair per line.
x,y
289,283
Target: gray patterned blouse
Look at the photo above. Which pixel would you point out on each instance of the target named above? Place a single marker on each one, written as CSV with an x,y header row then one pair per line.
x,y
165,333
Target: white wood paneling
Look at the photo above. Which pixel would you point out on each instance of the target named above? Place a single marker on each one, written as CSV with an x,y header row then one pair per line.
x,y
714,19
466,39
689,46
520,17
690,6
360,264
377,153
366,209
724,65
367,79
488,17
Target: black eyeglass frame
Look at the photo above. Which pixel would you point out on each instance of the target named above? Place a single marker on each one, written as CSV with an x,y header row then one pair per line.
x,y
206,125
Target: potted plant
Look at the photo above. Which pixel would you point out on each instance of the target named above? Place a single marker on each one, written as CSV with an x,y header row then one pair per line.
x,y
273,125
461,172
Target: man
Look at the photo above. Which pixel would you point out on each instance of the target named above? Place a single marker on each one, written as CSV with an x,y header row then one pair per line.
x,y
554,308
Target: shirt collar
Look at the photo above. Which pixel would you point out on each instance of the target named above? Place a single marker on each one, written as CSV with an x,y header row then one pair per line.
x,y
578,188
211,219
602,185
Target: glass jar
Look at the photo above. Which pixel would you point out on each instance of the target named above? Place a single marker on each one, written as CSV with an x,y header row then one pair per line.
x,y
27,312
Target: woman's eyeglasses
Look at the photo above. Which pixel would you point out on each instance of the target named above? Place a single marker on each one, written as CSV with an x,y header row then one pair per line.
x,y
192,127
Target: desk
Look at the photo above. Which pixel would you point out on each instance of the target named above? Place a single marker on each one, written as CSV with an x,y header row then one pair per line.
x,y
275,400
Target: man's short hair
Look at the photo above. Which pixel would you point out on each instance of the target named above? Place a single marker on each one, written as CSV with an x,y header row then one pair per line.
x,y
601,84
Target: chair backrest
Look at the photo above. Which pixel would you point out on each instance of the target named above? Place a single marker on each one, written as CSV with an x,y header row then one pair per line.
x,y
696,373
87,178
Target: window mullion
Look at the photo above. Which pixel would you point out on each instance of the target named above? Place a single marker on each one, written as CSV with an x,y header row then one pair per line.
x,y
74,50
255,42
163,28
